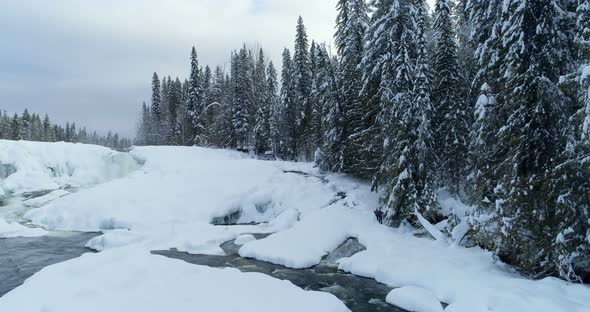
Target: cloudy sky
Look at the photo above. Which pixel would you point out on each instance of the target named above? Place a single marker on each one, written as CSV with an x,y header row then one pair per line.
x,y
92,61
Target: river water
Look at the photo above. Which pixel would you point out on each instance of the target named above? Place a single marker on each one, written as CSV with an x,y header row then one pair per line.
x,y
20,258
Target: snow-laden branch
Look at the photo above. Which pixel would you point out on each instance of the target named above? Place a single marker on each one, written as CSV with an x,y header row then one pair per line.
x,y
433,231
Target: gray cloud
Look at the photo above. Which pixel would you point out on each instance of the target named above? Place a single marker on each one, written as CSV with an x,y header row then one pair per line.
x,y
91,61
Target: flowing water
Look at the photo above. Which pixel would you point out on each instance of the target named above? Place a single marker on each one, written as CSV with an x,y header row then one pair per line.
x,y
20,258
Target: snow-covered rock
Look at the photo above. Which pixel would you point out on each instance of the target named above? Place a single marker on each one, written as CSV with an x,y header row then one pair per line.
x,y
414,299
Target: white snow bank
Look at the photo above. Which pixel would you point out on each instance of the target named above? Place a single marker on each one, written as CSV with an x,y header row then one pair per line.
x,y
245,238
192,237
14,229
48,166
42,200
192,185
132,280
414,299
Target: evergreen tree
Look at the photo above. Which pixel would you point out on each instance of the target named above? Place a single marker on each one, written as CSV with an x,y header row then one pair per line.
x,y
196,103
351,24
276,109
242,97
174,104
25,125
328,93
48,135
263,113
482,140
156,113
316,126
398,169
452,112
302,86
290,114
535,113
375,63
216,109
16,129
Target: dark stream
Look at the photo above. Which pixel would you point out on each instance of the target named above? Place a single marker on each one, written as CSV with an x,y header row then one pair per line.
x,y
20,258
358,293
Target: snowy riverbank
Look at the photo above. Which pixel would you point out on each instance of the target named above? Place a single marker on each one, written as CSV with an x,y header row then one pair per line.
x,y
171,201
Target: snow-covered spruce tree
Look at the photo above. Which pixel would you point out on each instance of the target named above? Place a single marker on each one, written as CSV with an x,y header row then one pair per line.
x,y
532,137
16,128
398,169
155,136
4,126
48,135
26,125
316,126
483,18
452,113
276,108
465,51
378,61
582,44
302,87
68,133
423,157
242,97
196,103
217,109
290,114
572,245
328,93
376,54
174,104
143,127
482,139
165,121
263,109
351,24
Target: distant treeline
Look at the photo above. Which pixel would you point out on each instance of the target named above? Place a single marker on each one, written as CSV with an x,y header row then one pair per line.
x,y
30,127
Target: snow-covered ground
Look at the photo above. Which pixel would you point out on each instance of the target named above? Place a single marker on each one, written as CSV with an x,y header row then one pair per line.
x,y
170,203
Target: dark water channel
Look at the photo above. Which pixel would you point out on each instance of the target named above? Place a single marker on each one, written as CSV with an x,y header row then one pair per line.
x,y
358,293
20,258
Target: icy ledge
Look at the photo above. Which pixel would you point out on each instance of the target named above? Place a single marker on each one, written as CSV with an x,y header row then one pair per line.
x,y
33,166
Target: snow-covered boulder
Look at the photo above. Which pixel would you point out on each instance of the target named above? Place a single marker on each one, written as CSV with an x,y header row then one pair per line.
x,y
414,299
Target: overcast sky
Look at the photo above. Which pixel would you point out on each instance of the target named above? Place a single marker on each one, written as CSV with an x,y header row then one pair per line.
x,y
92,61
